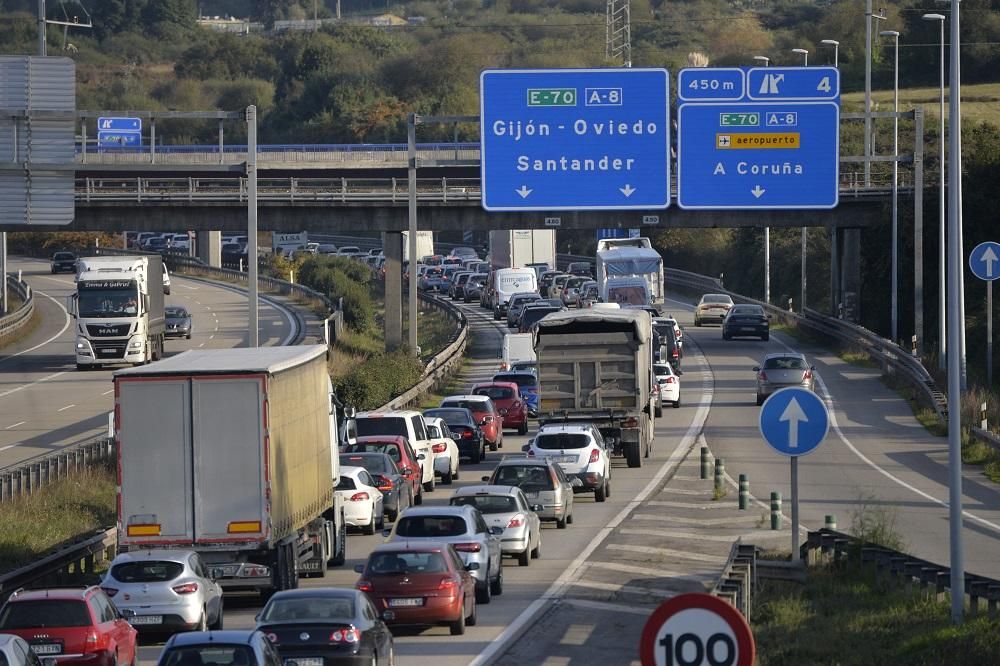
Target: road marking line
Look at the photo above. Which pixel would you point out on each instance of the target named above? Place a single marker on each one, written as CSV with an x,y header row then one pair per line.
x,y
695,536
15,425
649,571
210,337
108,391
607,606
66,322
202,344
37,381
63,409
9,446
682,491
668,552
694,521
577,634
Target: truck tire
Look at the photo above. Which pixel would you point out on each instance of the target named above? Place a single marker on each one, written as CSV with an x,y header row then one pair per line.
x,y
633,456
658,411
430,485
340,550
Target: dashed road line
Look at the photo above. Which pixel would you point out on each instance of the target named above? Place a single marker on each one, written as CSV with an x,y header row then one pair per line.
x,y
63,409
29,384
694,521
649,571
14,425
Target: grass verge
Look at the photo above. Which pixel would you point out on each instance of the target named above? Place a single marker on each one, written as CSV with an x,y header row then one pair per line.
x,y
32,525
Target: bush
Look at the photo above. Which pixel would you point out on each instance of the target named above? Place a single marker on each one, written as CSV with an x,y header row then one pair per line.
x,y
338,277
379,379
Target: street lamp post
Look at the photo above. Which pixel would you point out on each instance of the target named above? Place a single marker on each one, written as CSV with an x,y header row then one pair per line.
x,y
868,88
836,50
805,234
895,185
805,56
767,230
942,332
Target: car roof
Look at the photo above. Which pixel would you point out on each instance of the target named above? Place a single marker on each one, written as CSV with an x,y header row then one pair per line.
x,y
159,554
525,461
348,470
485,489
565,427
474,398
225,637
57,593
717,296
785,355
316,593
392,412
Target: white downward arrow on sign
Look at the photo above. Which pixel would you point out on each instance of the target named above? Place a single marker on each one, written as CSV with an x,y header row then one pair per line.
x,y
627,190
524,191
794,415
757,191
989,256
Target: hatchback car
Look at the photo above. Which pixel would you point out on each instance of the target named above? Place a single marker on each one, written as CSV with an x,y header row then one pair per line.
x,y
712,307
467,433
486,414
426,583
588,294
579,450
466,530
507,398
545,281
457,288
746,320
778,371
178,322
532,314
517,303
543,482
571,290
397,493
433,279
166,590
506,507
326,625
558,283
220,648
70,625
444,448
527,384
399,450
15,651
63,261
362,500
668,386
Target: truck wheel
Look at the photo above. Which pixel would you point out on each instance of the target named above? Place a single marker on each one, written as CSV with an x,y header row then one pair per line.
x,y
340,556
633,456
658,411
446,477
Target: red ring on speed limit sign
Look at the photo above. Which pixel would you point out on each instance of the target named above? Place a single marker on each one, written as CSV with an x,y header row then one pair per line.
x,y
696,629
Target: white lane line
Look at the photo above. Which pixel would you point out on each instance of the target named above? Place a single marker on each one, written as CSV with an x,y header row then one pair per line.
x,y
66,321
668,552
14,425
63,409
606,606
108,392
37,381
216,325
649,571
687,505
695,521
621,587
210,337
9,446
202,344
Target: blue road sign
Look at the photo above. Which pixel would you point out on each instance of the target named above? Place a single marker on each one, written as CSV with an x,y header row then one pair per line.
x,y
117,138
794,421
769,84
984,261
575,139
717,84
120,124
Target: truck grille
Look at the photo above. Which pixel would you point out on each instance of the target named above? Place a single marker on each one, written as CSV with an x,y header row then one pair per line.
x,y
109,331
109,349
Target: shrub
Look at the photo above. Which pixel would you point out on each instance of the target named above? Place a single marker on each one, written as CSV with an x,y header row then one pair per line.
x,y
378,379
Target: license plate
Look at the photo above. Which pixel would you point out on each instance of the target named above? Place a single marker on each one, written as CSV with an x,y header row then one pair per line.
x,y
305,661
748,328
50,648
406,602
532,495
108,352
146,619
565,459
310,565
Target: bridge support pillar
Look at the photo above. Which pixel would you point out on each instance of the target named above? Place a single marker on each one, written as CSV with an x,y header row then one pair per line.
x,y
850,274
392,247
208,246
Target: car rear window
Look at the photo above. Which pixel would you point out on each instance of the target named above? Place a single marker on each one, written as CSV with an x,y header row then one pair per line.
x,y
717,299
44,613
346,483
524,476
210,655
487,503
431,526
373,463
315,608
562,440
450,416
495,392
784,364
527,379
146,572
471,405
406,562
389,425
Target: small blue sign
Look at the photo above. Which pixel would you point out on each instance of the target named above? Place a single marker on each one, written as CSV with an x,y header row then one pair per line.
x,y
120,124
769,84
794,421
120,139
717,84
575,139
984,261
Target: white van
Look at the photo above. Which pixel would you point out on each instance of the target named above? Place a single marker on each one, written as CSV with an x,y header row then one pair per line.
x,y
517,348
509,281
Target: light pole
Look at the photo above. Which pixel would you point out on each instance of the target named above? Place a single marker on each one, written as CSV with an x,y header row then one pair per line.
x,y
942,332
895,184
805,234
868,88
805,56
836,50
767,230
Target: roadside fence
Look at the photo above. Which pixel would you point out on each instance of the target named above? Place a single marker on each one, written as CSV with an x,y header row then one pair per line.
x,y
15,321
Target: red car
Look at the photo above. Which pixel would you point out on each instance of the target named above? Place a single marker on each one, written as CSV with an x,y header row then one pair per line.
x,y
486,414
398,448
425,583
507,397
72,626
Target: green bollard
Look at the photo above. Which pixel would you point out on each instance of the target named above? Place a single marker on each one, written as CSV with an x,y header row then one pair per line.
x,y
706,462
720,474
775,510
744,492
831,522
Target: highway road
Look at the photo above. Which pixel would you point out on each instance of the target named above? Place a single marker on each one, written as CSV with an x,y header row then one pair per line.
x,y
46,404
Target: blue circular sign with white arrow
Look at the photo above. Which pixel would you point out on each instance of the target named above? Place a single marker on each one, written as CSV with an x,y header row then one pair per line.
x,y
984,261
794,421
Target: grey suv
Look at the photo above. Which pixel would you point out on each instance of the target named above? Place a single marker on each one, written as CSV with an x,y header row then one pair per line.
x,y
543,482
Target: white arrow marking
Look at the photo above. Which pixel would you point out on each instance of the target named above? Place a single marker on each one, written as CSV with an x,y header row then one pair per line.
x,y
524,191
793,414
989,256
757,191
627,190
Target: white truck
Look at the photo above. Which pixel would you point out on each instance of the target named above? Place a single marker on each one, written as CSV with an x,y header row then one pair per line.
x,y
232,453
517,348
629,258
287,244
519,247
118,307
425,244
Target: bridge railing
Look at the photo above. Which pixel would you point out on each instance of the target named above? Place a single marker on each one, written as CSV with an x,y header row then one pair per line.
x,y
15,321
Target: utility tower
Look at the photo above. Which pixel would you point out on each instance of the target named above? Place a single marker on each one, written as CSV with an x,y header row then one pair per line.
x,y
619,32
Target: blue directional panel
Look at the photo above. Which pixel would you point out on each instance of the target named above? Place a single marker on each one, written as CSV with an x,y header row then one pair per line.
x,y
119,132
718,84
766,84
575,139
794,421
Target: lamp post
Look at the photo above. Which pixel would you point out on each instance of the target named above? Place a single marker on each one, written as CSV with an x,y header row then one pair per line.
x,y
895,184
767,230
868,88
836,50
805,56
942,332
805,234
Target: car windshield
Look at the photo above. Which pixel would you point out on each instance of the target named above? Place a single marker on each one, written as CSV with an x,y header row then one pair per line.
x,y
451,416
495,392
562,440
523,476
178,313
146,571
308,608
214,654
388,448
42,613
406,562
374,463
785,363
431,526
381,426
487,503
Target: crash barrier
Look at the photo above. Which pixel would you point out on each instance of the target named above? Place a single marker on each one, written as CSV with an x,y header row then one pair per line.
x,y
739,577
15,321
67,562
27,477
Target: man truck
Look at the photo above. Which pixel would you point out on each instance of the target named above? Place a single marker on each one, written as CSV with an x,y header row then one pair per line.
x,y
232,453
595,366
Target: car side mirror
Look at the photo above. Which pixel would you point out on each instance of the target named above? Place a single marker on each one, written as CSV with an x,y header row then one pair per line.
x,y
503,411
472,566
486,478
359,568
496,530
756,368
422,456
526,447
536,507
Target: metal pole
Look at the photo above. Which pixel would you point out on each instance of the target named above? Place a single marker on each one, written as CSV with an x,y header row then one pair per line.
x,y
802,306
253,339
3,272
41,28
942,217
989,331
767,264
955,327
918,228
795,509
868,92
895,190
411,172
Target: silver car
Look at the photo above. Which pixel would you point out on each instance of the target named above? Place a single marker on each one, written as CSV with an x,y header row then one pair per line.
x,y
168,590
506,507
15,651
543,482
464,528
517,303
778,371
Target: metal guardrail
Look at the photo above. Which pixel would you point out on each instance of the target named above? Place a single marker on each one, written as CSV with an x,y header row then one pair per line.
x,y
80,555
739,577
18,319
28,476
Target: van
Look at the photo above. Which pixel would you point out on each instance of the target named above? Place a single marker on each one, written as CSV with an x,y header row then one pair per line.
x,y
509,281
406,423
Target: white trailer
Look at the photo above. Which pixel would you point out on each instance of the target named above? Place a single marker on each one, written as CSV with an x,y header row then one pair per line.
x,y
630,258
519,247
425,244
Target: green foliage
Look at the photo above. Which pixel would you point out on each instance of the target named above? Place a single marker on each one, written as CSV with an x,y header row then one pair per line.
x,y
43,244
378,379
341,278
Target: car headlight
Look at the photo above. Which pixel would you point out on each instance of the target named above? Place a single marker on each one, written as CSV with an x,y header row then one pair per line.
x,y
135,343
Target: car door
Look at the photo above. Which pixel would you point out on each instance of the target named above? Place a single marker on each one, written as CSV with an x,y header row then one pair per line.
x,y
112,625
567,488
492,544
534,522
213,592
382,635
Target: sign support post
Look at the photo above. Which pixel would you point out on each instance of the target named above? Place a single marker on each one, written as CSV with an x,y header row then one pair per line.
x,y
984,262
253,339
795,507
989,332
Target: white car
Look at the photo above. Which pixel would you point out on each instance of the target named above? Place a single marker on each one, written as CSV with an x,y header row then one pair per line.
x,y
444,448
712,307
362,500
15,651
579,449
668,386
506,507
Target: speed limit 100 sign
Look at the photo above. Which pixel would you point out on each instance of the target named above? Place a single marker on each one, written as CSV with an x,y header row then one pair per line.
x,y
696,629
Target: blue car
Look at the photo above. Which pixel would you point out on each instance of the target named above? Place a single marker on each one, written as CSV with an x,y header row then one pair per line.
x,y
527,384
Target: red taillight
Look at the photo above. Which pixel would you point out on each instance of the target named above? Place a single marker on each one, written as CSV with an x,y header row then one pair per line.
x,y
595,455
383,483
669,380
439,448
467,434
448,583
360,497
762,376
807,375
348,635
364,586
675,353
110,591
186,588
91,637
468,547
631,422
516,521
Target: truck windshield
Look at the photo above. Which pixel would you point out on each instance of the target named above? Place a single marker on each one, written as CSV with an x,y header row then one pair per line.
x,y
627,295
111,302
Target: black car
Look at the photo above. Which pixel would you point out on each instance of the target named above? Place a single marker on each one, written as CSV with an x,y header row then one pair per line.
x,y
474,287
468,434
233,254
326,626
178,321
746,321
397,494
532,315
63,261
247,648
